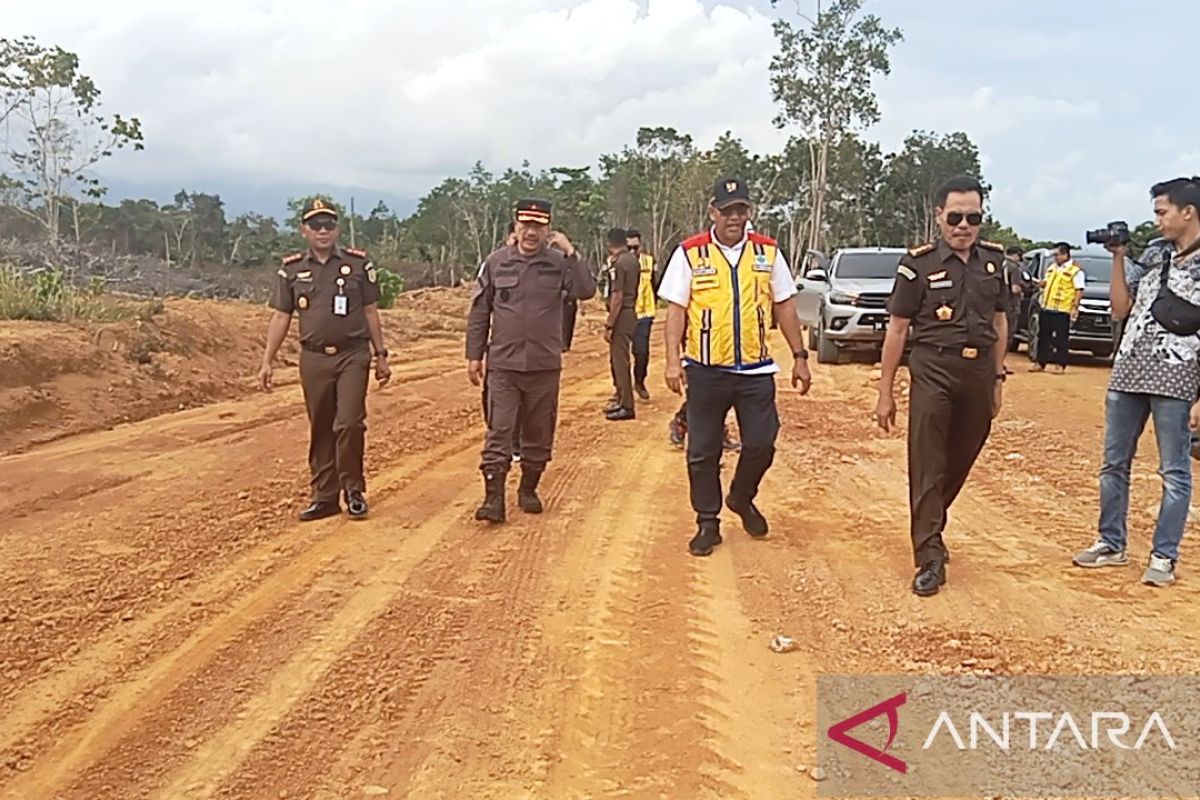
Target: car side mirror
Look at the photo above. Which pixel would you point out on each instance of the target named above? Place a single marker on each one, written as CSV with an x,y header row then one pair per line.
x,y
818,275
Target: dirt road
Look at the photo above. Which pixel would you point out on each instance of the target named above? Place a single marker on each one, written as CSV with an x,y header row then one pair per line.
x,y
168,631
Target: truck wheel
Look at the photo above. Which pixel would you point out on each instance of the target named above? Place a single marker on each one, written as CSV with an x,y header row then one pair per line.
x,y
812,338
827,351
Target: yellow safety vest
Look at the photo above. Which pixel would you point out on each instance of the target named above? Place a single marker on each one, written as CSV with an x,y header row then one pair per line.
x,y
730,307
646,304
1059,292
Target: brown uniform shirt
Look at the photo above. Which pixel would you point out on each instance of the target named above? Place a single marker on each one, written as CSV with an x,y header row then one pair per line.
x,y
951,304
516,311
627,273
305,285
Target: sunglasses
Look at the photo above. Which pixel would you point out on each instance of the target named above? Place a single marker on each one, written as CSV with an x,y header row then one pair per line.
x,y
323,225
955,218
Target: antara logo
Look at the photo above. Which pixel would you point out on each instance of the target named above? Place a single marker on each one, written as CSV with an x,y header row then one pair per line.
x,y
839,732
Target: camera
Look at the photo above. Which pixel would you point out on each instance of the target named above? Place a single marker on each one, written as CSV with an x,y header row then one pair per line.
x,y
1115,233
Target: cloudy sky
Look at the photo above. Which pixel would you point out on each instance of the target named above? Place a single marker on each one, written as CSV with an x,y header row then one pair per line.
x,y
1075,109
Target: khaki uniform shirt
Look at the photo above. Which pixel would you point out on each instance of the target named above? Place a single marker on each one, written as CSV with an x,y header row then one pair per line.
x,y
516,311
951,303
306,286
627,274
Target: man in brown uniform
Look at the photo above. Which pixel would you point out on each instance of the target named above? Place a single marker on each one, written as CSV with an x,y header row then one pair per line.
x,y
951,300
334,290
516,319
621,324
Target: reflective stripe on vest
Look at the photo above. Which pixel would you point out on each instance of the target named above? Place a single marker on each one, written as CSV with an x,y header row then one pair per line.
x,y
729,304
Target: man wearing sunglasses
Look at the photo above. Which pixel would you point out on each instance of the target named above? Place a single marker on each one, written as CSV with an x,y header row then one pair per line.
x,y
334,290
516,319
722,286
950,300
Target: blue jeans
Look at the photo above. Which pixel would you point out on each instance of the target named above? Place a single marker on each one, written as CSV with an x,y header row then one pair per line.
x,y
1125,419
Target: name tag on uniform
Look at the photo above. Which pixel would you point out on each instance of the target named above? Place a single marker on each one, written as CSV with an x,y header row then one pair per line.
x,y
341,305
946,284
704,270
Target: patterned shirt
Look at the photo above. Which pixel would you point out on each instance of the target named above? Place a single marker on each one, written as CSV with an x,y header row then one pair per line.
x,y
1151,360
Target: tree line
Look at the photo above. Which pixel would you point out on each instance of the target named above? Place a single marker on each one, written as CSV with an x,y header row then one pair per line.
x,y
827,187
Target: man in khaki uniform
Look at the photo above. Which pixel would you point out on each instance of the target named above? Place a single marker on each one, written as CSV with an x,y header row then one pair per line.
x,y
516,320
621,324
335,292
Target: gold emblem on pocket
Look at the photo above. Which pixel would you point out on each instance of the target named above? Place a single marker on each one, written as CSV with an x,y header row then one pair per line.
x,y
302,303
945,312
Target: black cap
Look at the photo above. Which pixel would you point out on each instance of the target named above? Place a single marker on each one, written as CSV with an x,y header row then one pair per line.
x,y
730,191
318,207
531,210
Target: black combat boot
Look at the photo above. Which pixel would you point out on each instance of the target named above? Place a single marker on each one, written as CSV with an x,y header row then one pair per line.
x,y
492,509
527,496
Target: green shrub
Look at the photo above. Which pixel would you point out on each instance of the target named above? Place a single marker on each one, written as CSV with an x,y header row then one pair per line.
x,y
390,285
49,296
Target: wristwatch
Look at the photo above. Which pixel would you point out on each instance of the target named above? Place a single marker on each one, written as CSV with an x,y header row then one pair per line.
x,y
381,353
801,353
1002,377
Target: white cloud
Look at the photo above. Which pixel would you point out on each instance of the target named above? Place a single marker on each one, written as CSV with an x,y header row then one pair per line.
x,y
382,95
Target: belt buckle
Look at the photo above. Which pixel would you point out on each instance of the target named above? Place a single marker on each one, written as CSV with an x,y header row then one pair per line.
x,y
970,353
330,350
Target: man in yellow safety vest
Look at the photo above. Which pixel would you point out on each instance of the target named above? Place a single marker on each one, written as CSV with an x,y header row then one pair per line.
x,y
1062,289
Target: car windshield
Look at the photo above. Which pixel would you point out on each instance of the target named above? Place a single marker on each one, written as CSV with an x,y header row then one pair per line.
x,y
1096,269
867,265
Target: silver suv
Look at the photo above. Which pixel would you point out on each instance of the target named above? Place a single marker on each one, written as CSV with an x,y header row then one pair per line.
x,y
843,301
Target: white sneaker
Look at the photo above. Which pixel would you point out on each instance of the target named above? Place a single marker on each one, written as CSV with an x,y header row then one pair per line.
x,y
1100,555
1160,571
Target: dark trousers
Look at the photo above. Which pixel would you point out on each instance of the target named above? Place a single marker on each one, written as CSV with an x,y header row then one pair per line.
x,y
641,350
1054,337
531,396
950,417
335,395
1013,319
710,395
619,354
570,312
516,442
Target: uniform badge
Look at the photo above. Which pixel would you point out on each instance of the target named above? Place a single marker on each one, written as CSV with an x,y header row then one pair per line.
x,y
937,276
945,312
907,272
304,276
760,259
341,282
282,273
302,302
371,274
346,269
991,268
504,295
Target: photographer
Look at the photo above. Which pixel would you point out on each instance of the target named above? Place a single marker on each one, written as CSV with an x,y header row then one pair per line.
x,y
1156,374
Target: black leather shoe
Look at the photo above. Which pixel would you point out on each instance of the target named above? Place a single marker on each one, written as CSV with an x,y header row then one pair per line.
x,y
321,509
705,540
930,578
621,414
752,519
356,504
642,391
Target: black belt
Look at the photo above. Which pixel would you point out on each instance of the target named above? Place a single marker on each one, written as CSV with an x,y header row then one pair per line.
x,y
969,353
334,349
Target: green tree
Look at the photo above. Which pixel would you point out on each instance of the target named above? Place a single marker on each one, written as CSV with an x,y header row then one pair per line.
x,y
912,177
57,133
821,77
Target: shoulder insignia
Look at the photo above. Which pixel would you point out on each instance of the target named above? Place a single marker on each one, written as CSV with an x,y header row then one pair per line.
x,y
758,238
372,275
907,272
355,251
921,250
282,272
984,243
292,258
699,240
